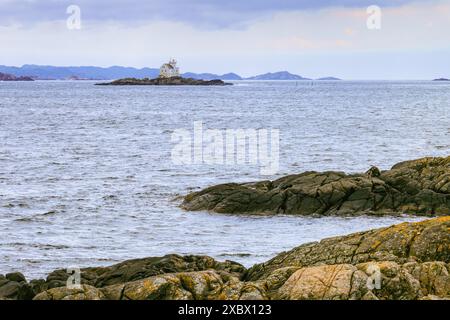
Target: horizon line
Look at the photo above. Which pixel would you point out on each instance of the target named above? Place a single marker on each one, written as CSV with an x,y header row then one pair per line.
x,y
244,77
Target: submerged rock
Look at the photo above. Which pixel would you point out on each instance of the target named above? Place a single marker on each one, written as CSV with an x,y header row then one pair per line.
x,y
178,81
404,261
420,187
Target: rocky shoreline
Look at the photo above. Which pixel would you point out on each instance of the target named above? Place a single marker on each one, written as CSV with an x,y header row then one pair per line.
x,y
417,187
173,81
409,261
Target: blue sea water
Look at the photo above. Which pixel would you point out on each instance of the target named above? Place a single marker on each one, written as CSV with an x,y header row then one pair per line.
x,y
87,179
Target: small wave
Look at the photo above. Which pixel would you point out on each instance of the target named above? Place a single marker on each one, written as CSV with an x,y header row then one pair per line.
x,y
109,197
12,205
36,216
44,246
48,213
241,255
27,219
177,198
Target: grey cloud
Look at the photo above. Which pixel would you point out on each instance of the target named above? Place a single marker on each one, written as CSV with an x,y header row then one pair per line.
x,y
202,13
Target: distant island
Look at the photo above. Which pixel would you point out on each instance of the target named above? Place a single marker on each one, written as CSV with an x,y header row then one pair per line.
x,y
160,81
39,72
330,79
441,79
285,75
11,77
169,75
212,76
281,75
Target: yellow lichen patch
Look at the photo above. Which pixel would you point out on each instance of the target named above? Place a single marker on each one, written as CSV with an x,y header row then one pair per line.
x,y
433,221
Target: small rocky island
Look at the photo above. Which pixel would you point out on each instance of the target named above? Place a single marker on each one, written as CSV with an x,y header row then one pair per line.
x,y
417,187
11,77
412,261
441,79
169,75
161,81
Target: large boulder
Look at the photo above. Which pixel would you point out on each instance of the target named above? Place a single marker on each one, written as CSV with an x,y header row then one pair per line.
x,y
200,285
420,187
137,269
424,241
409,281
329,282
14,286
84,292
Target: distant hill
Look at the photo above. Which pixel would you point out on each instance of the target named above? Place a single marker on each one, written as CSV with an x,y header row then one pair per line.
x,y
212,76
281,75
117,72
441,79
329,79
98,73
11,77
65,73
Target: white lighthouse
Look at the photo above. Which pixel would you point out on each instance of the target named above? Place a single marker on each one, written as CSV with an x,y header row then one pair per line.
x,y
169,70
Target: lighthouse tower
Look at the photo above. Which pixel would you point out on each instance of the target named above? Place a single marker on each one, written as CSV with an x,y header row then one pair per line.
x,y
169,70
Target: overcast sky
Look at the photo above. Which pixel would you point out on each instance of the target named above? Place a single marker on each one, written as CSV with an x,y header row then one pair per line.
x,y
310,38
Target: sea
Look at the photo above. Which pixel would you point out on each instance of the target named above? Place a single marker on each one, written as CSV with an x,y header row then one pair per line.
x,y
88,175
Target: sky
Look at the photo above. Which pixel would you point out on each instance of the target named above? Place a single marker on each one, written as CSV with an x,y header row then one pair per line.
x,y
310,38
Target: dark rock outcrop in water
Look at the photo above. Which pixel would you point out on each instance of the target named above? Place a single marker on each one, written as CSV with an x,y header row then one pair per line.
x,y
405,261
419,187
14,286
173,81
441,79
10,77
